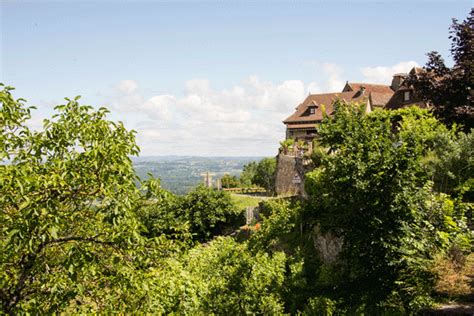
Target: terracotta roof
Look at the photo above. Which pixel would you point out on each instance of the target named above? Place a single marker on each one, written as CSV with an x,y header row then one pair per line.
x,y
380,99
302,111
370,87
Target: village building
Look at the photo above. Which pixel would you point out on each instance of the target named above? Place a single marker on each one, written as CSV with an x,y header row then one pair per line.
x,y
302,126
303,123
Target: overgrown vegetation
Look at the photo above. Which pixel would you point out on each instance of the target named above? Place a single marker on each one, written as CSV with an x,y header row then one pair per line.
x,y
389,199
374,191
449,90
386,227
259,174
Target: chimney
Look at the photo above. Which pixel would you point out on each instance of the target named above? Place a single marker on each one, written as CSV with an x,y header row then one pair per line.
x,y
397,81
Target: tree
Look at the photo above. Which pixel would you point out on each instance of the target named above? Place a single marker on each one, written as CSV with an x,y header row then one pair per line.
x,y
449,90
208,212
221,277
248,173
229,181
265,174
69,236
451,166
373,192
159,213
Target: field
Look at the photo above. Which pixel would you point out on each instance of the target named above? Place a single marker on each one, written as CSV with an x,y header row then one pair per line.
x,y
179,174
244,201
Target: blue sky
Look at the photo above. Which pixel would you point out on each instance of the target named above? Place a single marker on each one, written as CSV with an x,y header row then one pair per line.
x,y
210,78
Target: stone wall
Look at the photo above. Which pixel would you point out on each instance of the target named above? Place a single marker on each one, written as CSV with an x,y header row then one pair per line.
x,y
290,173
327,246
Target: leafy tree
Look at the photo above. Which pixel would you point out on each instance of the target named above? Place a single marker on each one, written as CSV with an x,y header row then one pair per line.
x,y
280,219
70,238
208,212
373,192
452,166
265,174
449,90
248,173
222,277
159,213
229,181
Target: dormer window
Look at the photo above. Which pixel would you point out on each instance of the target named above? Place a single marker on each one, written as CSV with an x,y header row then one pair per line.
x,y
312,110
406,96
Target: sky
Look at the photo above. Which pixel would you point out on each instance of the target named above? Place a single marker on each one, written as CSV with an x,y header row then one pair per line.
x,y
212,78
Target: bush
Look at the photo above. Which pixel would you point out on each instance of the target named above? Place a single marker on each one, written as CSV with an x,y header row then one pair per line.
x,y
70,238
373,192
223,277
229,181
209,212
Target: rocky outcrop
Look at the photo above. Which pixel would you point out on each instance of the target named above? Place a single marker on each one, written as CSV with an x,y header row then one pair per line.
x,y
327,245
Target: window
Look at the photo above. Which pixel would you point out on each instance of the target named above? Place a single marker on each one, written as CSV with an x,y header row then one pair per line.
x,y
312,110
406,96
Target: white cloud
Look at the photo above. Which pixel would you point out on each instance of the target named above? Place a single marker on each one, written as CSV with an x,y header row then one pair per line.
x,y
245,119
159,107
127,86
383,74
333,73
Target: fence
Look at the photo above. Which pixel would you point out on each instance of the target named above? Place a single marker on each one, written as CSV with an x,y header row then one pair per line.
x,y
245,190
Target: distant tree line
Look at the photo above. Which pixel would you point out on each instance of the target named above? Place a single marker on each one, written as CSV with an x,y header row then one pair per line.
x,y
261,174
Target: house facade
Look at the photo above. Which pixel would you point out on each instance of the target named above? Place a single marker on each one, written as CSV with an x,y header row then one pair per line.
x,y
304,122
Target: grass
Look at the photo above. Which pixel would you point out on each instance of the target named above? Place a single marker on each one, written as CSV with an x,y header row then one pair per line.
x,y
244,201
455,280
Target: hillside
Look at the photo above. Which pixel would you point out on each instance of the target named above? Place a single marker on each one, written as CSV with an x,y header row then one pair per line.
x,y
180,174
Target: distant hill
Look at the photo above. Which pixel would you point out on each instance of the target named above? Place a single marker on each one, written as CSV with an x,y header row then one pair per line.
x,y
180,174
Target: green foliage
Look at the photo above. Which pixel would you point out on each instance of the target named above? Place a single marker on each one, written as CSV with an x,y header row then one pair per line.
x,y
452,166
198,216
373,192
229,181
68,227
265,174
248,173
208,212
261,173
159,213
78,236
287,143
223,277
320,306
280,220
448,90
285,228
244,201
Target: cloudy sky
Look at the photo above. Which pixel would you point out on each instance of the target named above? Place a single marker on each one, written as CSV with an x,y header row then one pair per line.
x,y
210,78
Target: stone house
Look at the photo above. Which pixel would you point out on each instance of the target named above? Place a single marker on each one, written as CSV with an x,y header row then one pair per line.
x,y
304,122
